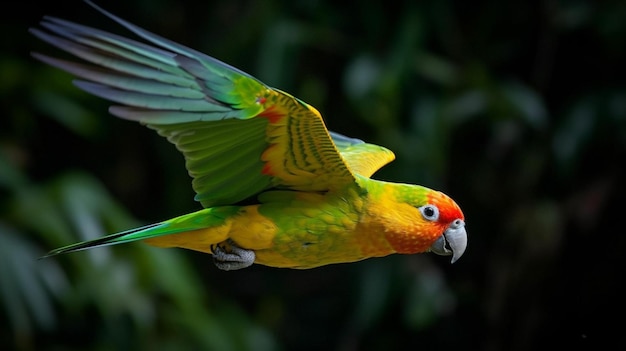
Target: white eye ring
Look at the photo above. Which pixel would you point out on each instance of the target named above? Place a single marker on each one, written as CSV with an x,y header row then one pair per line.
x,y
429,212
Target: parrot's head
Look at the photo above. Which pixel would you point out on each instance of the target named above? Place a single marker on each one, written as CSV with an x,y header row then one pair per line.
x,y
441,209
431,222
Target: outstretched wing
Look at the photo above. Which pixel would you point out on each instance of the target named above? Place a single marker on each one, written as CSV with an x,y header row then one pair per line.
x,y
238,136
362,158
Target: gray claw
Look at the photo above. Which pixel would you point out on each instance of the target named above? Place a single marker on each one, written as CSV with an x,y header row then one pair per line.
x,y
231,257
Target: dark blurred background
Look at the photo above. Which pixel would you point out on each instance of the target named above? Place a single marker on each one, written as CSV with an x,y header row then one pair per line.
x,y
515,109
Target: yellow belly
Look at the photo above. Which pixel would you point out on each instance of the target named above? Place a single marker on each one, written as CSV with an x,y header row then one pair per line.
x,y
248,229
301,236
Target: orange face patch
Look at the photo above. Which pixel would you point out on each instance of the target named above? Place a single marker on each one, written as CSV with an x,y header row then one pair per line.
x,y
448,209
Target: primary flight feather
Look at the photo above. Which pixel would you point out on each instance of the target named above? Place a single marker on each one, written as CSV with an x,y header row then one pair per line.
x,y
309,198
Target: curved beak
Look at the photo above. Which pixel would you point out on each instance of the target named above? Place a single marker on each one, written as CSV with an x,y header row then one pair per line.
x,y
453,241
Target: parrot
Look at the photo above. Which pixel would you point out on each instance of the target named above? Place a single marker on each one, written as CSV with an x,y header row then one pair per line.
x,y
276,187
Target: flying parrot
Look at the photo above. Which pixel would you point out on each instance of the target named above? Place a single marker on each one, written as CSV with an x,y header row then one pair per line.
x,y
276,187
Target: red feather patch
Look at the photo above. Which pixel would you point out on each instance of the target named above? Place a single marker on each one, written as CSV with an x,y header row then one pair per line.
x,y
272,115
267,169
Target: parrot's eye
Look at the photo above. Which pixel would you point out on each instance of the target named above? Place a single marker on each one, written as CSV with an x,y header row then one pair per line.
x,y
429,212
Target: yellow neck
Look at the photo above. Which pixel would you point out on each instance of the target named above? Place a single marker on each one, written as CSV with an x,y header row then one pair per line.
x,y
392,226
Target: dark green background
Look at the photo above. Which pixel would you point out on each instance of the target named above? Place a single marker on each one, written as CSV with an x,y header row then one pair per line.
x,y
515,109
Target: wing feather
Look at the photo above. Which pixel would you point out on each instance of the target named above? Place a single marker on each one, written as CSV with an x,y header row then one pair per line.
x,y
239,137
362,158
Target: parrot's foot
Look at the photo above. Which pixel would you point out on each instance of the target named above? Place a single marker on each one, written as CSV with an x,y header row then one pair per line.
x,y
228,256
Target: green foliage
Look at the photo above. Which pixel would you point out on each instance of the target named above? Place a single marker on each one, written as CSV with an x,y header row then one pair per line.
x,y
515,109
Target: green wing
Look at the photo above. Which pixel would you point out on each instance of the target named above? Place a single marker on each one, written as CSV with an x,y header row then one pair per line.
x,y
239,136
362,158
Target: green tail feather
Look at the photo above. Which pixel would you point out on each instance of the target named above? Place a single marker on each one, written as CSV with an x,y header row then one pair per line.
x,y
126,236
206,218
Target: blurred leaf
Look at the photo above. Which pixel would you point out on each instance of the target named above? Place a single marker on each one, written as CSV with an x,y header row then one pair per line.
x,y
573,133
471,103
527,102
67,112
10,176
275,61
373,294
12,70
428,297
436,69
28,287
361,76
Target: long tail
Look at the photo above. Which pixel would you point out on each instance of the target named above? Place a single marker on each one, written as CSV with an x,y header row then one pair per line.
x,y
203,219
